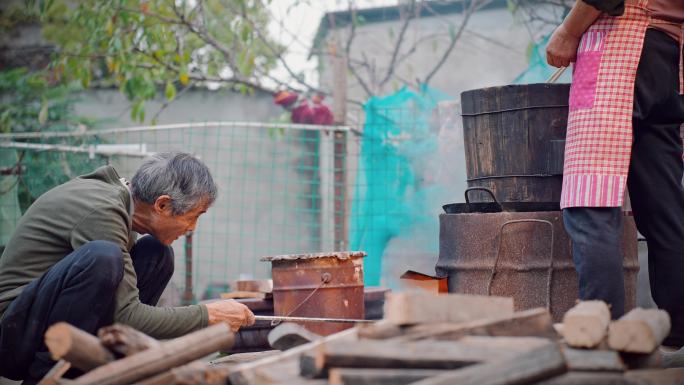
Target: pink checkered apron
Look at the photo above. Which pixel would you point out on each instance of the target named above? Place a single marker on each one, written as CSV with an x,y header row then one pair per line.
x,y
599,137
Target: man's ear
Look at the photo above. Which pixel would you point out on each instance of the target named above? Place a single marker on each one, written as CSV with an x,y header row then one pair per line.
x,y
163,204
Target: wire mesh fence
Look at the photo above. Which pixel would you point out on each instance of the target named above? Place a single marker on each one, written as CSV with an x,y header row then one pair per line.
x,y
283,189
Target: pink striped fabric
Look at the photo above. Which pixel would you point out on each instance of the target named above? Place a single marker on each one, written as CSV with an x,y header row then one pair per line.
x,y
599,138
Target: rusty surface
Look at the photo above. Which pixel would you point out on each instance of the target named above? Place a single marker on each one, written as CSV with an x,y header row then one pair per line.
x,y
468,253
334,254
323,286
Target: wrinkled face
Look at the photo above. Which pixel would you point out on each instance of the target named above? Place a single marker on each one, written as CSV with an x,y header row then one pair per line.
x,y
168,227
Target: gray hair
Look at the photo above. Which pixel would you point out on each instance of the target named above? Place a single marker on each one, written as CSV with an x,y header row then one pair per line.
x,y
181,176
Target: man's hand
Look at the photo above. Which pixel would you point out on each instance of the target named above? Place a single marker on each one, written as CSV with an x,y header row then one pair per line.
x,y
232,312
562,47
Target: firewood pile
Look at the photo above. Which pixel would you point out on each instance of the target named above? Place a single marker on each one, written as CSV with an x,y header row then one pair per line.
x,y
424,339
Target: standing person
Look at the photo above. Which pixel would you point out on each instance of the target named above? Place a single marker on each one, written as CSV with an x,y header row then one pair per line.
x,y
625,111
74,257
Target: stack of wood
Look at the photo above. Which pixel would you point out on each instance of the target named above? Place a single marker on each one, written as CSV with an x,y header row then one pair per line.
x,y
424,339
428,339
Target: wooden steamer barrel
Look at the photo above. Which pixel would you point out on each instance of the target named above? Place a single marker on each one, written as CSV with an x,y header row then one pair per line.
x,y
514,139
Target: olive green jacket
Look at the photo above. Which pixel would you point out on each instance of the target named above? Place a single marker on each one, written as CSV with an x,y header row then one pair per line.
x,y
95,206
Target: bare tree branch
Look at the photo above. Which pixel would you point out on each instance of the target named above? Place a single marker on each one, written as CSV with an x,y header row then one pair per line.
x,y
407,13
347,48
472,8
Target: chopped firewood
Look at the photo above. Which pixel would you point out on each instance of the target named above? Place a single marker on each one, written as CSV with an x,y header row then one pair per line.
x,y
639,331
673,376
357,376
533,322
423,307
586,324
167,355
588,378
527,368
246,294
196,372
413,355
585,360
255,285
83,350
642,361
380,330
282,367
290,335
125,340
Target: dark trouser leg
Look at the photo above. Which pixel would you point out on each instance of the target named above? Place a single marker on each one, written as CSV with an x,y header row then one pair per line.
x,y
79,290
153,263
596,234
655,174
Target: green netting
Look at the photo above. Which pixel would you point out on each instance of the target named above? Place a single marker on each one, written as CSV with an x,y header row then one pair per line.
x,y
387,198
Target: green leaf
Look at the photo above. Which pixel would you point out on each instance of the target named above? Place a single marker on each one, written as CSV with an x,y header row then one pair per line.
x,y
170,91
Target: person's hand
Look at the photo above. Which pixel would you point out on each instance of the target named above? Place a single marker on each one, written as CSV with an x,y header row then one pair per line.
x,y
232,312
562,47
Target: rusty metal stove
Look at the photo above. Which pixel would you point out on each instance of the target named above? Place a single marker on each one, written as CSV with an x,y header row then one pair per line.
x,y
319,285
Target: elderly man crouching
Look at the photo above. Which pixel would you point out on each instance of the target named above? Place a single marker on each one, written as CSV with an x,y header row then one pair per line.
x,y
74,257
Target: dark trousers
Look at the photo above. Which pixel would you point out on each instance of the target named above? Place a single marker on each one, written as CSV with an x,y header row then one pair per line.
x,y
80,289
657,196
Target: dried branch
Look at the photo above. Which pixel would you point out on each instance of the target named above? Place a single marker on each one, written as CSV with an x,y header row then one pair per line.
x,y
472,8
407,13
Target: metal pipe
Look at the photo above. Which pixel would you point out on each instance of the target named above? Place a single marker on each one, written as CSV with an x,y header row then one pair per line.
x,y
309,319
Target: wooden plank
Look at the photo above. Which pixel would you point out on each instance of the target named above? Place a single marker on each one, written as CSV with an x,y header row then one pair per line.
x,y
413,355
380,330
639,331
284,366
168,355
356,376
83,350
586,324
538,364
290,335
241,358
256,285
422,307
673,376
532,322
579,378
125,340
246,294
593,360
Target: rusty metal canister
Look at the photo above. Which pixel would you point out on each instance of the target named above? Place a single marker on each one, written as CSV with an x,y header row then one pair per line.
x,y
328,285
524,255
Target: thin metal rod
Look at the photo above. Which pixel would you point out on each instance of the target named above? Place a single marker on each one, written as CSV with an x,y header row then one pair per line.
x,y
309,319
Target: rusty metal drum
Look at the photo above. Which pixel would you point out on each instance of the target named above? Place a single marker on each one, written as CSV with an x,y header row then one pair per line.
x,y
524,255
326,285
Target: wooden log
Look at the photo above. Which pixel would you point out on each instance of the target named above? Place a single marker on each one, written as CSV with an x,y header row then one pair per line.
x,y
380,330
168,355
639,331
413,355
83,350
538,364
255,285
241,358
673,376
422,307
194,373
290,335
532,322
282,367
588,378
593,360
356,376
586,324
125,340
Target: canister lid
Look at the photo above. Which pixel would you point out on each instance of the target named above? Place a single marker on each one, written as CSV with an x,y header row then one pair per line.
x,y
332,254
